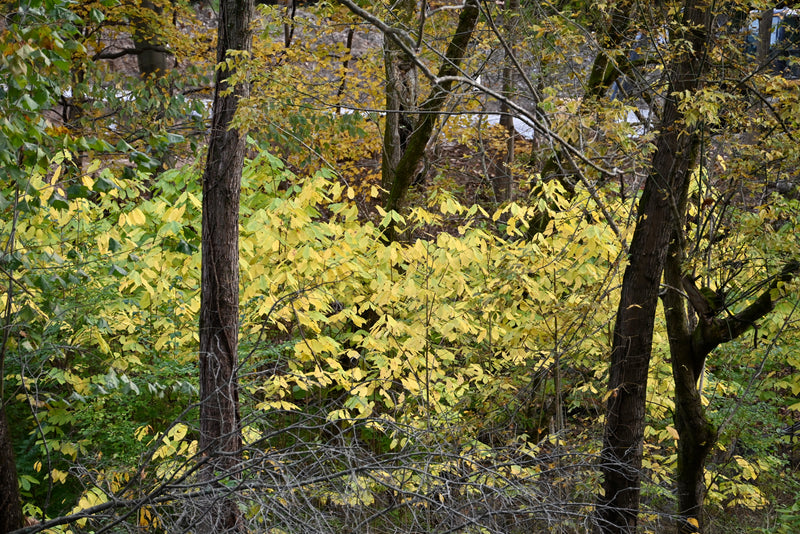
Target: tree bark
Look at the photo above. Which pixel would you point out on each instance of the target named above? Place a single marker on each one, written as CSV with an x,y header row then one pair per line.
x,y
696,433
666,185
764,34
11,516
401,95
10,503
151,56
689,348
503,182
414,148
220,432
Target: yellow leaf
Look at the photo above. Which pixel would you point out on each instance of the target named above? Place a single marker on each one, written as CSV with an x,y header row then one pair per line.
x,y
135,217
178,432
58,476
673,432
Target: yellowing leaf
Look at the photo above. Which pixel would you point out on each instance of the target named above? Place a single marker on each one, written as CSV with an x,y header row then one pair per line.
x,y
58,476
673,432
135,217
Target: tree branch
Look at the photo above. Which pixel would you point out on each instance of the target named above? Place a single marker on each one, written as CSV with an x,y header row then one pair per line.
x,y
130,52
707,336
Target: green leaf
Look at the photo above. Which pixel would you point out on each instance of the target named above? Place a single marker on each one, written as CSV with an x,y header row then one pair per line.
x,y
185,247
97,16
29,103
58,201
103,185
175,138
78,191
100,145
123,146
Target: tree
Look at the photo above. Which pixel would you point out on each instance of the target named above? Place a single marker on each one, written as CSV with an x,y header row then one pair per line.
x,y
10,502
689,347
406,136
401,93
220,431
151,55
664,194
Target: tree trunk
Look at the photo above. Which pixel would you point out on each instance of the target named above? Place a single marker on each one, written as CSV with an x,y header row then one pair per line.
x,y
689,349
151,56
10,503
401,95
220,433
666,184
503,188
11,516
764,34
414,149
697,435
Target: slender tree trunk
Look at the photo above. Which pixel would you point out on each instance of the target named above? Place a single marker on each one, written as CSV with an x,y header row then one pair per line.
x,y
220,432
697,435
764,33
151,55
10,503
504,181
414,148
621,457
401,95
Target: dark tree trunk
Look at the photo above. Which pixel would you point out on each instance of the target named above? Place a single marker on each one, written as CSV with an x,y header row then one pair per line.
x,y
220,433
689,349
151,55
697,435
10,503
764,32
631,349
666,185
401,95
504,181
414,148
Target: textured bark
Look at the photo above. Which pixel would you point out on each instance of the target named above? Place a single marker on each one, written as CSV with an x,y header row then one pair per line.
x,y
10,503
151,55
401,95
414,148
696,433
503,181
689,348
665,186
220,432
764,31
